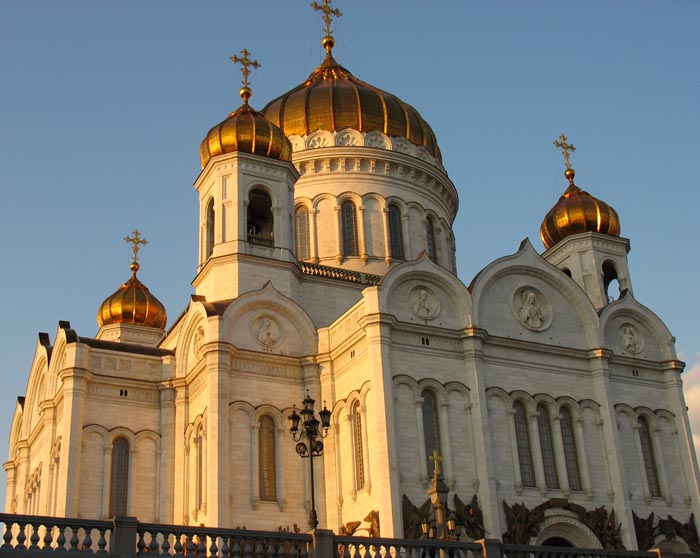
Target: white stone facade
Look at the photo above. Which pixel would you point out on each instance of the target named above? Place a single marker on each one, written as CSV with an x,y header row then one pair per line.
x,y
262,330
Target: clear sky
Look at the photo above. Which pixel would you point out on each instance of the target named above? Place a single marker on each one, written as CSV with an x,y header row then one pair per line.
x,y
103,105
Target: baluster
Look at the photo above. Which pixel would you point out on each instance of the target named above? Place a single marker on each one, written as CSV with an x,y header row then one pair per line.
x,y
213,548
102,544
225,548
189,546
236,553
247,549
202,546
271,548
21,537
61,540
141,546
303,550
7,536
154,547
283,548
48,539
259,549
178,546
74,540
165,547
87,541
34,539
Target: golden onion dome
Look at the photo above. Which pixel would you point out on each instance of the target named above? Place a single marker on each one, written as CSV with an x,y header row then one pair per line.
x,y
332,99
577,212
132,303
247,131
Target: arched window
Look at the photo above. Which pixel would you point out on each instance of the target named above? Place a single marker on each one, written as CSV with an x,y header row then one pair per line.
x,y
550,467
395,233
268,459
527,474
260,221
359,447
567,436
302,234
610,282
648,455
431,426
348,217
211,225
119,481
430,233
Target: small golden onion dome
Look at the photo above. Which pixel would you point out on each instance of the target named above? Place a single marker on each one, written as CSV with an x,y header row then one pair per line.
x,y
332,99
577,212
248,131
132,303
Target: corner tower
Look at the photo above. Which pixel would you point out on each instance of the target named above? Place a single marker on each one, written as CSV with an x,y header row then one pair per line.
x,y
582,237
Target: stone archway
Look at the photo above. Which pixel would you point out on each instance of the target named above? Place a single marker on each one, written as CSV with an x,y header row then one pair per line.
x,y
564,528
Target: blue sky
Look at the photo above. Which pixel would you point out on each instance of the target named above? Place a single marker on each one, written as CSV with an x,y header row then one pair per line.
x,y
103,105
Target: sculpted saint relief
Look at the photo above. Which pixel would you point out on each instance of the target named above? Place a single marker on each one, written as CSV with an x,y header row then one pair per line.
x,y
531,309
423,303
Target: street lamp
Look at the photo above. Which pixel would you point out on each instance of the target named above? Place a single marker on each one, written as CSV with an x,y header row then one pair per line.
x,y
312,447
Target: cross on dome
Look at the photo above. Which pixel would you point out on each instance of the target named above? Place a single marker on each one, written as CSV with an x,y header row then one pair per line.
x,y
565,148
136,242
328,13
246,64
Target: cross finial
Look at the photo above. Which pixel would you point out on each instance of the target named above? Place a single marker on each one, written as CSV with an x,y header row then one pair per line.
x,y
246,64
435,458
566,148
328,14
136,242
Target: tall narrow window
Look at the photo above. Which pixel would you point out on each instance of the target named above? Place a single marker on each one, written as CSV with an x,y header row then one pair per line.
x,y
211,222
348,217
268,459
359,448
302,234
523,440
395,233
119,482
567,436
550,469
431,426
430,233
648,455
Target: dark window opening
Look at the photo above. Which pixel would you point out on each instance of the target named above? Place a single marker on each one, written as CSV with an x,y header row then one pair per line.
x,y
260,221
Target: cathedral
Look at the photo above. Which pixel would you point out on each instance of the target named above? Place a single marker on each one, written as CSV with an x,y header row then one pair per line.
x,y
549,408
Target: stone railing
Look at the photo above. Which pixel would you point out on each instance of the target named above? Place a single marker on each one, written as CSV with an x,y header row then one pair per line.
x,y
339,273
25,536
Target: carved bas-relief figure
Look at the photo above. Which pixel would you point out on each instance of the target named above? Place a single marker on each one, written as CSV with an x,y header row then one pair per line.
x,y
530,313
631,339
266,331
424,304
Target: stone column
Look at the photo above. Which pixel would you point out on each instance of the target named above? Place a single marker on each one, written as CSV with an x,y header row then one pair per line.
x,y
106,480
445,442
131,493
582,457
418,404
168,445
536,452
559,455
361,233
387,236
313,235
660,464
517,475
338,235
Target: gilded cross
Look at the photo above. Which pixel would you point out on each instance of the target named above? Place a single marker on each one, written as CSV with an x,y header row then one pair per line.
x,y
435,458
136,242
246,64
328,13
565,148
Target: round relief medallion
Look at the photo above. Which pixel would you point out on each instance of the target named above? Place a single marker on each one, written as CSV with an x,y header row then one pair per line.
x,y
631,340
266,331
198,342
423,303
531,308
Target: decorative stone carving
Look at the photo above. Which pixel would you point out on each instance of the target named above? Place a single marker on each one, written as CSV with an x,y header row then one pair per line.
x,y
423,303
471,517
348,138
644,529
266,331
377,140
319,139
522,523
413,517
198,343
630,339
532,309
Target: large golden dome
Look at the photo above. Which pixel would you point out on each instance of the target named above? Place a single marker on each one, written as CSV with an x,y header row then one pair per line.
x,y
248,131
132,303
577,212
332,99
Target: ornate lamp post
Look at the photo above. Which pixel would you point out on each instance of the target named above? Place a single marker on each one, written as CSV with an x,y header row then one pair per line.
x,y
307,437
442,528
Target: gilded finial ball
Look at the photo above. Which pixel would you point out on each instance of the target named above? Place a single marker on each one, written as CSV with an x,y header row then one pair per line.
x,y
134,267
569,174
245,93
328,42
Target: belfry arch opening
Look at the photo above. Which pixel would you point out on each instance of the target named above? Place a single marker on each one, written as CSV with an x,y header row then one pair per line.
x,y
610,281
260,224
